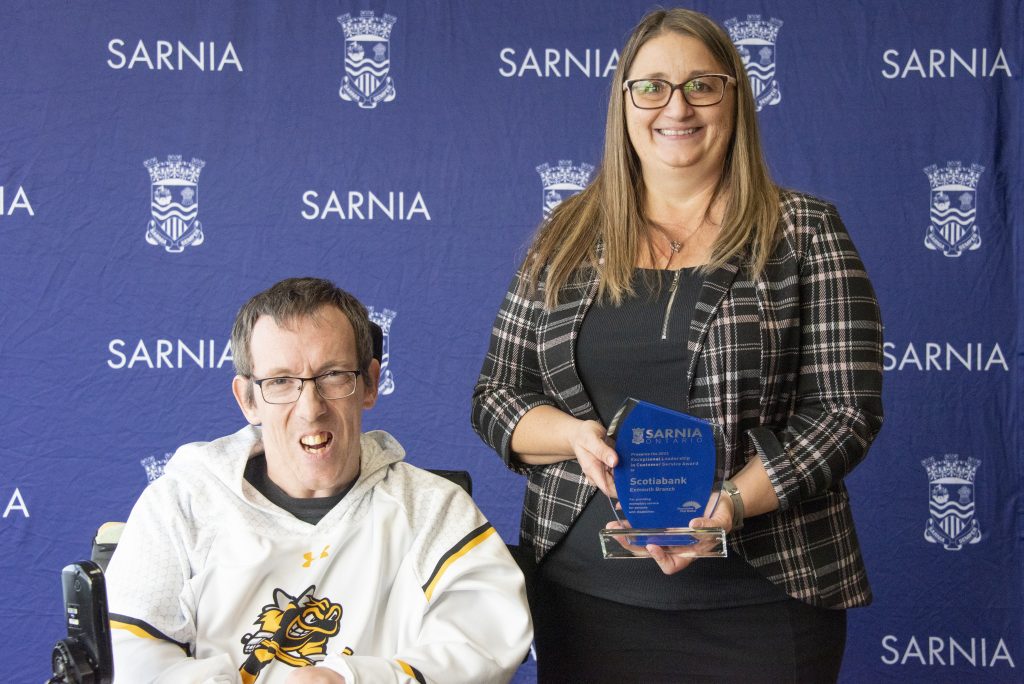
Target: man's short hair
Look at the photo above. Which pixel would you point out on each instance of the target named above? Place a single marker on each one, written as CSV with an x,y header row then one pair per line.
x,y
293,298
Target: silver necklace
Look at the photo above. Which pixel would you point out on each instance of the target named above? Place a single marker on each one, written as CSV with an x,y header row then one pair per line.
x,y
675,246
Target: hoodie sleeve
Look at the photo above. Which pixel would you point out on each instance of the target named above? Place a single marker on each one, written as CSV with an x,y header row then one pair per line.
x,y
464,615
151,607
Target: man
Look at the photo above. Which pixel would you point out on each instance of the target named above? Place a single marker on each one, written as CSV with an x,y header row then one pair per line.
x,y
300,541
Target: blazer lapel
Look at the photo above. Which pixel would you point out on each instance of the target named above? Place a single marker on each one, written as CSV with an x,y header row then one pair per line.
x,y
556,344
715,287
559,329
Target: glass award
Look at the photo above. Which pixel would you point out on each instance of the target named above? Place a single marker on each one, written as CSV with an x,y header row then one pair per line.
x,y
668,473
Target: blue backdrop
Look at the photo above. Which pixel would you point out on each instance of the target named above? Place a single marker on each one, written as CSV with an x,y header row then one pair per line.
x,y
160,162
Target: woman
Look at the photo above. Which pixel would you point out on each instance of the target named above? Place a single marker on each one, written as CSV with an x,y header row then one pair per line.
x,y
684,276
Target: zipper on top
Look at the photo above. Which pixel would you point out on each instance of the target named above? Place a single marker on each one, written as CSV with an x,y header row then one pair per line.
x,y
668,307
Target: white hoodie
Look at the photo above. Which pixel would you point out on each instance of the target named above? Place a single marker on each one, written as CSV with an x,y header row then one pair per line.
x,y
403,581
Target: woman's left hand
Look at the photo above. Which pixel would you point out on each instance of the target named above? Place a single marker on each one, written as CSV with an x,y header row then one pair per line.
x,y
721,517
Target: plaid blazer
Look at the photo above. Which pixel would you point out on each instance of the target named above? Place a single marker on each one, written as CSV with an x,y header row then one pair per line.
x,y
788,366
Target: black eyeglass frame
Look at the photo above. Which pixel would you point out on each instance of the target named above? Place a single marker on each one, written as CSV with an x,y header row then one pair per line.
x,y
726,79
316,383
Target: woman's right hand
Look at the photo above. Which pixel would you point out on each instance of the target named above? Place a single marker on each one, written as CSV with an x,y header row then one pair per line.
x,y
589,445
546,434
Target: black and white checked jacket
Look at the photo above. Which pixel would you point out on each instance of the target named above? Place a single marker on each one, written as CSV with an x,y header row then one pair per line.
x,y
788,366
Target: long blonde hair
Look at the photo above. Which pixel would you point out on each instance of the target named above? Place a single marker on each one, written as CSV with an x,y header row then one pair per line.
x,y
610,210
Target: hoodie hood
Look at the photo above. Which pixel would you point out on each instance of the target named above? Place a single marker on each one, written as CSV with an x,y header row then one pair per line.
x,y
225,458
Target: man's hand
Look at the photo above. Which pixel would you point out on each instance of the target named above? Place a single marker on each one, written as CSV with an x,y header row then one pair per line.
x,y
314,675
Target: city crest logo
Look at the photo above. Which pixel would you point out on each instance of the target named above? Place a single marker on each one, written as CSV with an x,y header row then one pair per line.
x,y
951,502
953,200
367,59
174,203
154,466
561,182
384,318
755,41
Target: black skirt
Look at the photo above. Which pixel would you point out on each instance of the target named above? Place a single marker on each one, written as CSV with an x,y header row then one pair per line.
x,y
581,638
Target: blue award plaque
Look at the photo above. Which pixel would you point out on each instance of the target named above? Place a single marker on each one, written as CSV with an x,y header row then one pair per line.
x,y
665,477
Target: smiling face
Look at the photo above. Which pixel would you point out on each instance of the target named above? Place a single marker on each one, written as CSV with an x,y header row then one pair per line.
x,y
679,137
311,445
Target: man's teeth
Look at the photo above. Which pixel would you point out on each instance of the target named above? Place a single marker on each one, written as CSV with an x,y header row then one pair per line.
x,y
676,131
314,440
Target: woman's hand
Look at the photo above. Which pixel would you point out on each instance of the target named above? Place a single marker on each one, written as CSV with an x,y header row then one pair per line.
x,y
758,498
595,456
546,435
722,517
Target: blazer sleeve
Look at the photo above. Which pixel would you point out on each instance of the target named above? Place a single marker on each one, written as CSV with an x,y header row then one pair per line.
x,y
838,406
511,380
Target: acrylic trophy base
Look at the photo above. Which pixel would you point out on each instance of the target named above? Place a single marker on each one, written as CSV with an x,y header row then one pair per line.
x,y
685,542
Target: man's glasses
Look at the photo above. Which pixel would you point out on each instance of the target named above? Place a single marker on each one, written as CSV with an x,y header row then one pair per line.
x,y
335,384
700,91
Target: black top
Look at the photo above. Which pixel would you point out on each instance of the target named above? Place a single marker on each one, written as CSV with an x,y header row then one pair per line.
x,y
306,510
639,350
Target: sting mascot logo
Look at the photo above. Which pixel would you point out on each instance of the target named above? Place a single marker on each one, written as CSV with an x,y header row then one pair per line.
x,y
293,630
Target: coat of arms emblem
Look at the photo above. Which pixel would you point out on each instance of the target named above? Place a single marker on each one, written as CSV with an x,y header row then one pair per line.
x,y
755,41
367,59
383,318
561,182
953,208
154,466
174,203
951,502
